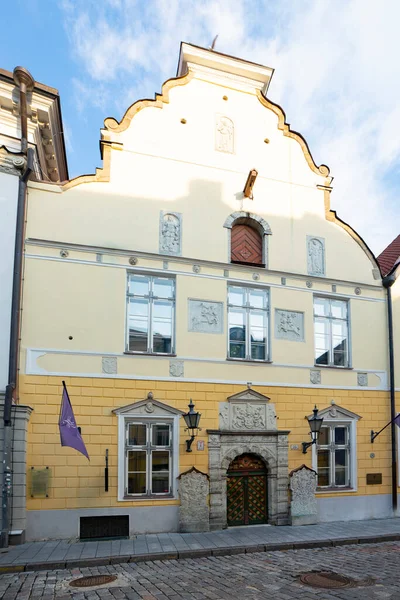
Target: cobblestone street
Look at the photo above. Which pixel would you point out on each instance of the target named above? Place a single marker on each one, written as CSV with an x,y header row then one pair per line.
x,y
257,576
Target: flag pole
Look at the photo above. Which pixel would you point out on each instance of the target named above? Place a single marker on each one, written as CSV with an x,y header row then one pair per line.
x,y
375,434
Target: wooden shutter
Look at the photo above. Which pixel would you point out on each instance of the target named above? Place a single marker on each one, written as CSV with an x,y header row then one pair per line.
x,y
246,245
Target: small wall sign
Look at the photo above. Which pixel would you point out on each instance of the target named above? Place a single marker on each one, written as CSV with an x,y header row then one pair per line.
x,y
200,444
374,478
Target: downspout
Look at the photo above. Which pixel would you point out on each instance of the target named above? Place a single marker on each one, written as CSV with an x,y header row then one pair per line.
x,y
387,282
25,82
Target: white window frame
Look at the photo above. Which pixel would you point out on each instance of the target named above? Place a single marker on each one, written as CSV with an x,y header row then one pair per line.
x,y
331,364
267,312
150,299
134,417
340,422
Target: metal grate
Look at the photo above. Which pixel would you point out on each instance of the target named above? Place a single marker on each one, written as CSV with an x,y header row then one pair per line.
x,y
100,528
92,580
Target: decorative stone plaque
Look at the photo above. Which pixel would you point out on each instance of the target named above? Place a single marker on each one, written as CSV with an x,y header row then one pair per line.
x,y
289,325
303,485
170,233
362,379
247,411
224,134
194,511
109,365
315,255
176,368
315,376
205,317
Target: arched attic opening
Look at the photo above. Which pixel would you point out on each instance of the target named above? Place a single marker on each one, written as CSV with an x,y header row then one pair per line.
x,y
247,239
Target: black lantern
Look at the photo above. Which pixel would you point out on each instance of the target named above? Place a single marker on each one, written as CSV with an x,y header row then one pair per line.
x,y
192,420
315,423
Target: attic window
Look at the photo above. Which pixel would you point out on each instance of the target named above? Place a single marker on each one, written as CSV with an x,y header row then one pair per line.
x,y
246,245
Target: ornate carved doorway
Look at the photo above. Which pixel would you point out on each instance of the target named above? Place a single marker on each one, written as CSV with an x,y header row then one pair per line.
x,y
247,491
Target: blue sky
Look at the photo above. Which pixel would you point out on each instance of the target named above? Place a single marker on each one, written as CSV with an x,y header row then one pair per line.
x,y
337,76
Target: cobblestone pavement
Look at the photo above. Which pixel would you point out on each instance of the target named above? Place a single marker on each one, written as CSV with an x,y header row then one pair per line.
x,y
255,576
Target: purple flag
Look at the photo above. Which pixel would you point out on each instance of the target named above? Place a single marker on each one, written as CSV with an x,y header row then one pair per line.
x,y
397,420
69,433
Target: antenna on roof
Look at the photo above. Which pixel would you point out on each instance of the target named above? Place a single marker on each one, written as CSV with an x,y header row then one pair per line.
x,y
213,43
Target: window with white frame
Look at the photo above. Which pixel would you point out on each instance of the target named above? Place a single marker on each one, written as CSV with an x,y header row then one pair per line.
x,y
248,316
331,332
151,314
333,456
148,458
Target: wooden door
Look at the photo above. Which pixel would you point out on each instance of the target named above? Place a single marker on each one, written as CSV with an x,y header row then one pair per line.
x,y
246,491
246,245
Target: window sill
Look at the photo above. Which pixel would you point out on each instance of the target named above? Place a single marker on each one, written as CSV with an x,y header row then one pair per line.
x,y
128,352
147,498
248,360
335,490
333,367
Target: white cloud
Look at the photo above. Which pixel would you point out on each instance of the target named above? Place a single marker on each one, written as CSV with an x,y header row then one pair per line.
x,y
337,77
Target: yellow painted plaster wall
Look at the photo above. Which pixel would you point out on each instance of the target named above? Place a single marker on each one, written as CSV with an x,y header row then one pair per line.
x,y
76,483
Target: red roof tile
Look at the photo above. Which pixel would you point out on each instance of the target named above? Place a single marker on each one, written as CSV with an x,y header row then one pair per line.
x,y
388,258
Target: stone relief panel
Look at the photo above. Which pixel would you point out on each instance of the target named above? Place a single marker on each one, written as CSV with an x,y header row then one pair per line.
x,y
170,233
224,134
242,416
289,325
109,365
176,368
194,488
315,376
205,317
303,485
315,255
362,379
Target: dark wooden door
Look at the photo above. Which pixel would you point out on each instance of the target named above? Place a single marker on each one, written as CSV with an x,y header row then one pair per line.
x,y
246,491
246,245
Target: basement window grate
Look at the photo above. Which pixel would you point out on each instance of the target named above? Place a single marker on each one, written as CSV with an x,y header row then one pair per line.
x,y
107,527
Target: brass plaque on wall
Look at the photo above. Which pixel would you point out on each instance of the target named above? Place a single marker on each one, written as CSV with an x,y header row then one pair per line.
x,y
40,482
374,478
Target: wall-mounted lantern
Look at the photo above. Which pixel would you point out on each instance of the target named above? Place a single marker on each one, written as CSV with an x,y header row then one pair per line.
x,y
192,420
315,423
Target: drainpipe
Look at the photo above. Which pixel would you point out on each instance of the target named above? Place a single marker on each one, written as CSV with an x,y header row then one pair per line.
x,y
25,82
387,282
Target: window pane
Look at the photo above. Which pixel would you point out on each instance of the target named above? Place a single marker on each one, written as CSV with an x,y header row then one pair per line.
x,y
341,467
138,318
160,435
323,467
139,285
339,309
237,333
341,435
323,439
322,343
160,472
257,298
163,288
321,307
258,335
237,296
136,483
162,326
137,461
339,342
136,435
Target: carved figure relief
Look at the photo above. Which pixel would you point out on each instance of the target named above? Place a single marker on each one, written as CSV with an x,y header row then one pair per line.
x,y
289,325
315,256
176,368
303,485
170,233
224,135
205,317
193,492
109,365
223,416
362,379
248,417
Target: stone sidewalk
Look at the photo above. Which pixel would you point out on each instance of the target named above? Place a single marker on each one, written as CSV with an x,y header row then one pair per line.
x,y
64,554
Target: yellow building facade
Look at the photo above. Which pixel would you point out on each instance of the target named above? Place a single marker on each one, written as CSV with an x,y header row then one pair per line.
x,y
201,262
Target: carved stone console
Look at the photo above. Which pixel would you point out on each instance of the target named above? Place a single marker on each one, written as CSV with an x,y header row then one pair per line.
x,y
194,509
